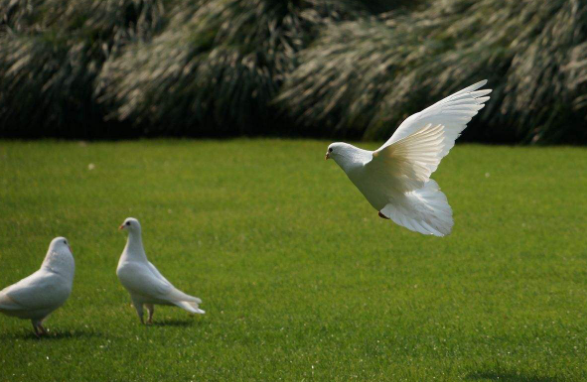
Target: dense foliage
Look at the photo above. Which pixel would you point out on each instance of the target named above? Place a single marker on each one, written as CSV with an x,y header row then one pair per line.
x,y
81,68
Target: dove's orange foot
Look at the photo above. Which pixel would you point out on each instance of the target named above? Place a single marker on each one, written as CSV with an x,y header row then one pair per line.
x,y
383,216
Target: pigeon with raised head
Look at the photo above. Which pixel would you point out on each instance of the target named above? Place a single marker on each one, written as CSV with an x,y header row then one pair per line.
x,y
38,295
395,178
146,285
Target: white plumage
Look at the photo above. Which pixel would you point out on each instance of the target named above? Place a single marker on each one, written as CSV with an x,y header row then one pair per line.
x,y
395,178
38,295
146,285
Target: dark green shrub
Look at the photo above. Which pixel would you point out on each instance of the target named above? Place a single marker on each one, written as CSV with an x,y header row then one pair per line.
x,y
50,55
363,78
218,66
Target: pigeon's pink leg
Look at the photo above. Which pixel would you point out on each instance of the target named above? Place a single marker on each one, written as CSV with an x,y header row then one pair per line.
x,y
37,334
151,310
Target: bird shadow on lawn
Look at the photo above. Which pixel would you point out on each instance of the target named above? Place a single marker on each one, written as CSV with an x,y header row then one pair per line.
x,y
507,377
52,336
173,322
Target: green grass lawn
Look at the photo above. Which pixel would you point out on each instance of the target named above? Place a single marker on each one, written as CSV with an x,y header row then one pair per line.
x,y
300,279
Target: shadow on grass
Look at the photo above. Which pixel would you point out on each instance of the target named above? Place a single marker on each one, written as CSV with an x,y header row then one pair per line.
x,y
507,377
51,335
173,322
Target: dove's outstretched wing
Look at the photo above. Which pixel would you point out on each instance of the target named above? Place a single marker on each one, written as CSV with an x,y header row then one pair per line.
x,y
407,164
453,112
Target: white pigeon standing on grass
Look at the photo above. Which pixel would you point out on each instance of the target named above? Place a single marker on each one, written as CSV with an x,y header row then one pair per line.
x,y
38,295
144,282
395,178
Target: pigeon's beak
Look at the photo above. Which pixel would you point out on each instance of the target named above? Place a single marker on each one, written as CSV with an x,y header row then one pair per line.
x,y
69,246
121,227
327,156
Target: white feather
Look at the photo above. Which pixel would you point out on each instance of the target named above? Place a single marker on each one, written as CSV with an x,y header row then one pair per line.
x,y
453,112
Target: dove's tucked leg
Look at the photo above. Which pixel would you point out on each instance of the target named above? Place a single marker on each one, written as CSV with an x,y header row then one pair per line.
x,y
151,310
383,216
139,308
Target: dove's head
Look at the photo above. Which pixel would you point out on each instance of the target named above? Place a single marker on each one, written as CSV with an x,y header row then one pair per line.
x,y
60,245
131,225
59,257
333,150
346,155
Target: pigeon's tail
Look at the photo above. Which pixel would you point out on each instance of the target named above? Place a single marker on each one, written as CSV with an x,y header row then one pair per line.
x,y
187,302
425,210
190,306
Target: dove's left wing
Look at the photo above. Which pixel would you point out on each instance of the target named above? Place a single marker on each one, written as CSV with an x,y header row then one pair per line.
x,y
453,112
407,164
41,290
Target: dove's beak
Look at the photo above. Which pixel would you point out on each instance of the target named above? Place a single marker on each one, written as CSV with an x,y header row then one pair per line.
x,y
327,156
121,227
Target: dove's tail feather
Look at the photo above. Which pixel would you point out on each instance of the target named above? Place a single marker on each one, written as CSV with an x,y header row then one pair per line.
x,y
187,302
190,306
425,210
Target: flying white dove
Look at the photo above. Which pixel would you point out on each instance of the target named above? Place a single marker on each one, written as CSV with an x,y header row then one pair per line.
x,y
144,282
36,296
395,178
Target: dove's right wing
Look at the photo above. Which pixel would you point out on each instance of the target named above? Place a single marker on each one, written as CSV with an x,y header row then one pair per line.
x,y
41,290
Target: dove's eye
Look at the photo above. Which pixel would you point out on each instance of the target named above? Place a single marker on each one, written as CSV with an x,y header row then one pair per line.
x,y
330,150
127,223
65,242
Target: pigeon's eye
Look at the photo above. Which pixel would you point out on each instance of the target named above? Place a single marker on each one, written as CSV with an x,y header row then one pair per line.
x,y
330,150
127,223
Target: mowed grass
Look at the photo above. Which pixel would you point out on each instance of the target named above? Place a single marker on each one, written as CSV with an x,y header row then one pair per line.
x,y
300,279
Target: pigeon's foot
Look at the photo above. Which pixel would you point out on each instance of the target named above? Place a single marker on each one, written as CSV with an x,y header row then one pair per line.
x,y
151,310
383,216
39,331
36,330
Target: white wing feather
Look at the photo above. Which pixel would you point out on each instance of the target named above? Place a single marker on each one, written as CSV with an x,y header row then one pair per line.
x,y
41,291
453,112
411,160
